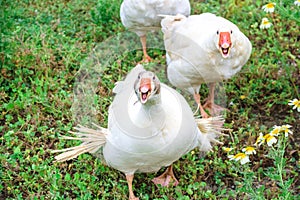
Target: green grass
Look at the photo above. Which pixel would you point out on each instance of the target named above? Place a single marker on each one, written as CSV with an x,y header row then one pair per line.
x,y
44,44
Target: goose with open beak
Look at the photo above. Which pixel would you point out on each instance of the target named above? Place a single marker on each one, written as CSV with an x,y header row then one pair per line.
x,y
201,49
150,126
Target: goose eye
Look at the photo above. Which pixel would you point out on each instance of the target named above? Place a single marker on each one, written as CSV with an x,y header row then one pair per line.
x,y
217,32
153,78
231,31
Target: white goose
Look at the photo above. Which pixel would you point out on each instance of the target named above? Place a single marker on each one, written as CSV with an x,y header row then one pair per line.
x,y
201,49
141,16
150,126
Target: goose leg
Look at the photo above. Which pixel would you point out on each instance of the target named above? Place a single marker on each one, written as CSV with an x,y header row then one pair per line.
x,y
146,58
202,111
165,178
210,102
129,178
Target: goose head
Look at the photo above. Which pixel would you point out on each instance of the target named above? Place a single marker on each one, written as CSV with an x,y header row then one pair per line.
x,y
146,86
224,41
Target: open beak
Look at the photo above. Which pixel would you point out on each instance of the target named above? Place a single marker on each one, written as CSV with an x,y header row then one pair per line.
x,y
145,89
225,43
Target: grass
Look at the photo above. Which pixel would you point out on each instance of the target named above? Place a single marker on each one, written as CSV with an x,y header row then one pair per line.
x,y
44,44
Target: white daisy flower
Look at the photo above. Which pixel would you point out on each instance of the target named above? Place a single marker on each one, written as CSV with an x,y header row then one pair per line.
x,y
269,8
286,130
249,150
242,157
260,140
265,23
270,139
276,130
227,149
295,103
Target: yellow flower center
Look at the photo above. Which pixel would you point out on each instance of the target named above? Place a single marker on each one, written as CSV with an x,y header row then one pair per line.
x,y
240,156
268,137
275,131
265,21
242,97
270,5
249,149
227,149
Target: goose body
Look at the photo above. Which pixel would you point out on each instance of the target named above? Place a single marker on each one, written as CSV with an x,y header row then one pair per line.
x,y
150,126
203,48
150,136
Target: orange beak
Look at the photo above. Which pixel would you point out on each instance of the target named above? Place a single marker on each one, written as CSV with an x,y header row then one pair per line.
x,y
225,43
145,89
